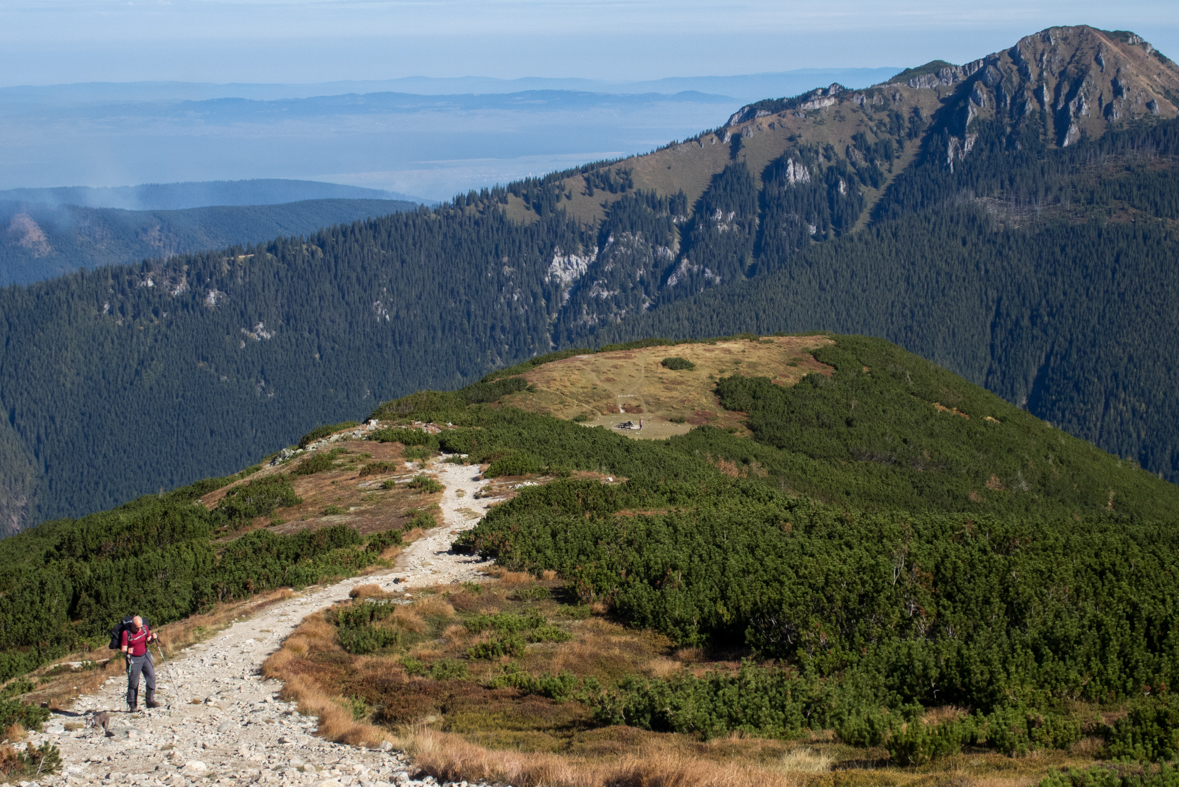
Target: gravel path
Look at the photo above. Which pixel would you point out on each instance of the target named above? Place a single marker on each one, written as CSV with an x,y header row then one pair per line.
x,y
238,731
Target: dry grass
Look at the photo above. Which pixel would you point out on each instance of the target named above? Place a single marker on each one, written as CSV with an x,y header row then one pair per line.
x,y
511,578
335,721
15,732
406,619
434,607
449,757
943,714
603,386
663,667
367,591
805,761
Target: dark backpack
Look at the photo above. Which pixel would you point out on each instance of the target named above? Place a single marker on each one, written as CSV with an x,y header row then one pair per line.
x,y
116,642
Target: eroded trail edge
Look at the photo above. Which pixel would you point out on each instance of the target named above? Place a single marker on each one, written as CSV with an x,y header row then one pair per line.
x,y
222,722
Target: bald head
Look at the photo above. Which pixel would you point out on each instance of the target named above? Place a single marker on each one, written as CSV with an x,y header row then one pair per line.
x,y
137,622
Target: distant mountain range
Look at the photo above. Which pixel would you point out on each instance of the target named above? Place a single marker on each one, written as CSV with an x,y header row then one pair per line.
x,y
430,138
179,196
1012,219
741,87
39,241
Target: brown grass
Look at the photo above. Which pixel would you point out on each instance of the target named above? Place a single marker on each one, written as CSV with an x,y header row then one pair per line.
x,y
663,667
655,764
670,401
406,619
367,591
434,607
511,578
335,721
942,715
15,732
805,760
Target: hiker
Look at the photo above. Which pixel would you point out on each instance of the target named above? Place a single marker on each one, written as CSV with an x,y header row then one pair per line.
x,y
134,647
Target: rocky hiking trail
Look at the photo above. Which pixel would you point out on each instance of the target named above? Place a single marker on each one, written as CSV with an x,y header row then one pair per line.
x,y
222,723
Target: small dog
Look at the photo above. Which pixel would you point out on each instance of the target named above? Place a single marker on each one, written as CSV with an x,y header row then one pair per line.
x,y
101,719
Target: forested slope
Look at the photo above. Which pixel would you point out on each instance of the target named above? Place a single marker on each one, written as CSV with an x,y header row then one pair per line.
x,y
43,240
1012,219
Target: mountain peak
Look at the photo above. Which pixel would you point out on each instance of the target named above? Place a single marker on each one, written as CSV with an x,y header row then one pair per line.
x,y
1075,81
1063,83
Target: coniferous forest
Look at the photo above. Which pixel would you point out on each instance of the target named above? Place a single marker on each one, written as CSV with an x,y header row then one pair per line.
x,y
1044,273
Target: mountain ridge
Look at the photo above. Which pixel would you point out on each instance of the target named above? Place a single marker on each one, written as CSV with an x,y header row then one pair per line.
x,y
842,212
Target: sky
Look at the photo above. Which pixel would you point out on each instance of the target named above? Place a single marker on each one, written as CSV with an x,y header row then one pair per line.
x,y
64,41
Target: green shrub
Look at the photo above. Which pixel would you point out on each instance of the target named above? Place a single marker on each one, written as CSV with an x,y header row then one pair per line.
x,y
449,670
257,498
1112,776
417,453
513,463
407,437
30,717
549,633
382,541
316,463
388,483
498,646
676,364
425,484
581,418
422,519
333,511
482,392
1150,731
378,468
560,688
918,743
34,762
415,667
359,628
505,622
13,689
531,593
320,432
870,729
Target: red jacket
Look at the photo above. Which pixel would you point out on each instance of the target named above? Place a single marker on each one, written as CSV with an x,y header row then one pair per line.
x,y
136,642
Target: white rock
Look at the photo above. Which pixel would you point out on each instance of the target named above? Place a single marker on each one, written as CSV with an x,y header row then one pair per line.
x,y
195,768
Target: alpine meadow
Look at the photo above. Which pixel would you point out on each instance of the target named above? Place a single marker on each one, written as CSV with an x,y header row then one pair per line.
x,y
836,445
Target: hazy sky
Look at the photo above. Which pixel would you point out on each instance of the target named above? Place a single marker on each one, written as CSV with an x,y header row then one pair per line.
x,y
55,41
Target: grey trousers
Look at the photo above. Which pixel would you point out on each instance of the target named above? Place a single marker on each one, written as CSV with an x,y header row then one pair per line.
x,y
140,664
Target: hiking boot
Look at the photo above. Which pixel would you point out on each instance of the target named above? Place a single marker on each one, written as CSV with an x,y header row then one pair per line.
x,y
132,700
151,700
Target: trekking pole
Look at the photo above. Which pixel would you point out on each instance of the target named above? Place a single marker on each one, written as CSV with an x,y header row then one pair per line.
x,y
176,687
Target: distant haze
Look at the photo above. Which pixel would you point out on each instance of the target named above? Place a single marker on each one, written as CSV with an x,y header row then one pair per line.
x,y
425,137
181,196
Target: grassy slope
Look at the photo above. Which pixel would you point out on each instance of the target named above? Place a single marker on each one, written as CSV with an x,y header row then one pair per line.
x,y
876,427
797,386
689,166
